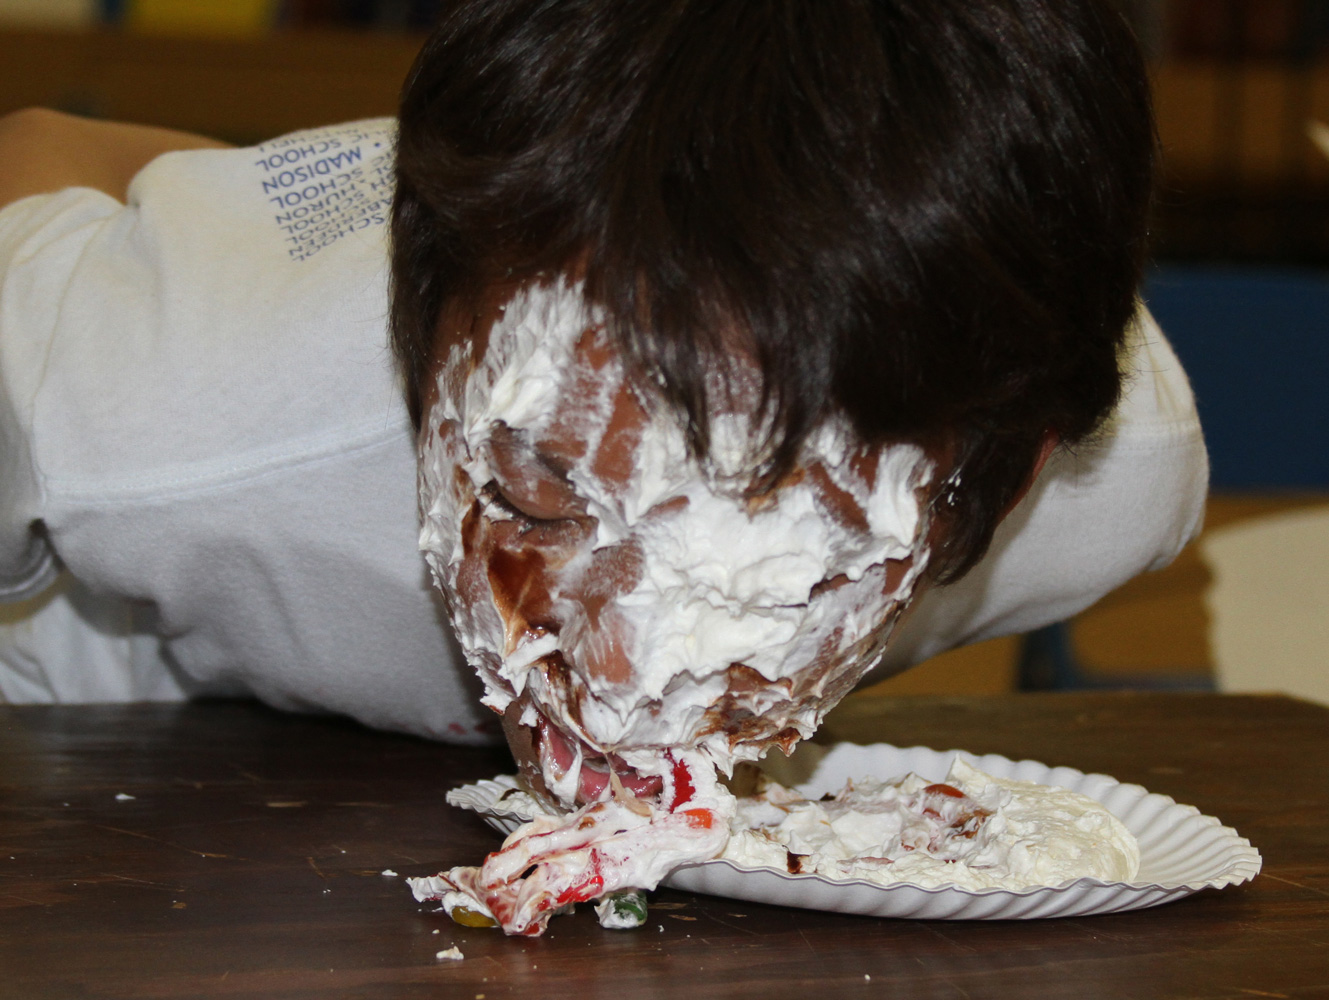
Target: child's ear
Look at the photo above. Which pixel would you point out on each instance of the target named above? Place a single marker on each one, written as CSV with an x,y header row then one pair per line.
x,y
1046,445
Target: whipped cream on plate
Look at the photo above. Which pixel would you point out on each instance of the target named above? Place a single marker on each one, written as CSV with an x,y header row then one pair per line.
x,y
971,830
620,843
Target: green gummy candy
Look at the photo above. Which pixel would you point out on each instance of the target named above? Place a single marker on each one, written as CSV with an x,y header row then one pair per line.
x,y
622,910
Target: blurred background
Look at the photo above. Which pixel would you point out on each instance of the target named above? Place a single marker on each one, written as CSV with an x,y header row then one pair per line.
x,y
1240,280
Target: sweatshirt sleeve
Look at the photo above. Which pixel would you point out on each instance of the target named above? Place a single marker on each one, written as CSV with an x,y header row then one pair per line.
x,y
41,241
1124,502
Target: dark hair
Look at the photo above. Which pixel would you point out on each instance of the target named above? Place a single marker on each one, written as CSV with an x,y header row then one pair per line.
x,y
926,215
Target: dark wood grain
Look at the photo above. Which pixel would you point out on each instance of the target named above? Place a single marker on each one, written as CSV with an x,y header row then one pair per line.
x,y
248,865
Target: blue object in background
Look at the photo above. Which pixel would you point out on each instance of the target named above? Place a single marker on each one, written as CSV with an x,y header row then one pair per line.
x,y
1255,343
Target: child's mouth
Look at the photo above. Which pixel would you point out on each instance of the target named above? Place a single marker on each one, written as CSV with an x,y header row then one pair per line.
x,y
559,751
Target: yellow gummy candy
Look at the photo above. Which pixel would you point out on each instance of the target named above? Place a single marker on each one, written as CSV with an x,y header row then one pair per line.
x,y
471,918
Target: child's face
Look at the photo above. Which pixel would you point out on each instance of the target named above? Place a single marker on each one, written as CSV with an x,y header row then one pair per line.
x,y
619,598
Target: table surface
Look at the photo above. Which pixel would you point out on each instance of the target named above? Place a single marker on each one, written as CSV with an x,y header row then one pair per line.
x,y
249,860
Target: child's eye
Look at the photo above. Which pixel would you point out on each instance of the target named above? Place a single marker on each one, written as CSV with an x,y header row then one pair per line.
x,y
496,501
533,530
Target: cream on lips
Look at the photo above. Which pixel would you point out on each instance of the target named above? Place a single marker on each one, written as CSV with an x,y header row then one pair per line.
x,y
634,596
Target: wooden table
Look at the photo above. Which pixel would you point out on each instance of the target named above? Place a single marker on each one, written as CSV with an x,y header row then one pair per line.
x,y
249,863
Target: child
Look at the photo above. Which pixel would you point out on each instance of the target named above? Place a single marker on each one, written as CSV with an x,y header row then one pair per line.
x,y
729,329
915,227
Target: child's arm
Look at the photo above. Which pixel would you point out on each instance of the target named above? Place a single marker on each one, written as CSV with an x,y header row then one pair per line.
x,y
44,151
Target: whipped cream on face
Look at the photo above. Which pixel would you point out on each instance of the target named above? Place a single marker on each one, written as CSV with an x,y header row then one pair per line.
x,y
658,606
973,830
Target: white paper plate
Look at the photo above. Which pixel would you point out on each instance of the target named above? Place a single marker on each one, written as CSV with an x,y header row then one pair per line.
x,y
1181,851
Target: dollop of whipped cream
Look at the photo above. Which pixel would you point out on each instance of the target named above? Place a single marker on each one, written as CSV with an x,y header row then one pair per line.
x,y
615,844
973,830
